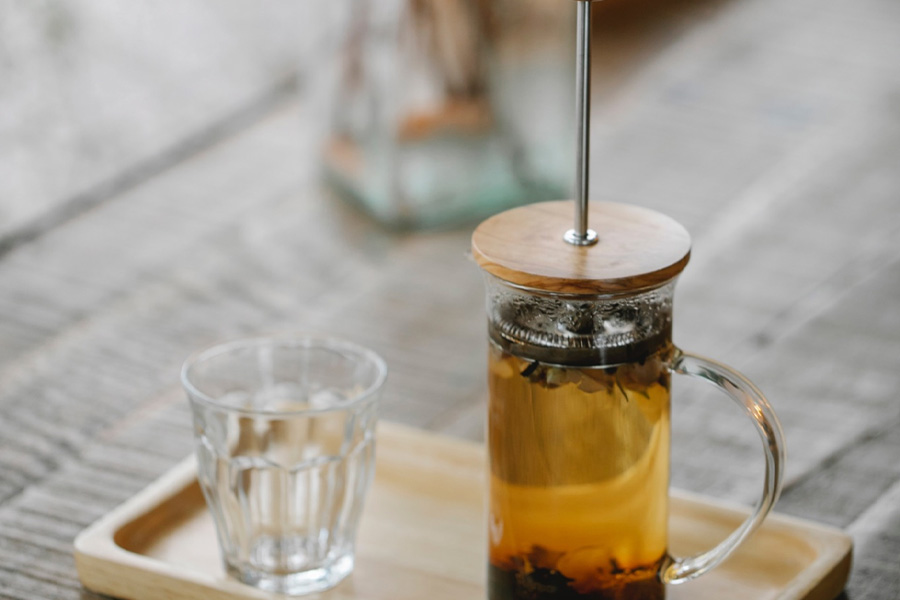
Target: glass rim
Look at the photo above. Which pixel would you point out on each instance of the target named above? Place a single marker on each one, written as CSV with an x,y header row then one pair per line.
x,y
282,341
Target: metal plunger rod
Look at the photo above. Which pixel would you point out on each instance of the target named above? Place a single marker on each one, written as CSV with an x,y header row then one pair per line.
x,y
581,235
583,115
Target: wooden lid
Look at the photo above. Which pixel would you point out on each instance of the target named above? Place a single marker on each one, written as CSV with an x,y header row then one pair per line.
x,y
638,248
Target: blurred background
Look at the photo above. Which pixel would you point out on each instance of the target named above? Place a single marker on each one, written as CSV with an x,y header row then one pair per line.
x,y
174,174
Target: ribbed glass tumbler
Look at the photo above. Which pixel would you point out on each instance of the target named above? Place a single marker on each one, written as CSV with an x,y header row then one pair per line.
x,y
285,440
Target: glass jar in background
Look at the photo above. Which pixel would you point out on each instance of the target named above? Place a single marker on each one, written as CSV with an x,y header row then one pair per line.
x,y
444,111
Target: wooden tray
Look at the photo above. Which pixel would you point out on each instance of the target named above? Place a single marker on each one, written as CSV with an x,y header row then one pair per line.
x,y
422,536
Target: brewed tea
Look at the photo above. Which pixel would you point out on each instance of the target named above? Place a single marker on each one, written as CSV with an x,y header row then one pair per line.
x,y
579,476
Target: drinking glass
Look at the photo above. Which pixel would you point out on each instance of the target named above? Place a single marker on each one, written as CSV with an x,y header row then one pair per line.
x,y
285,444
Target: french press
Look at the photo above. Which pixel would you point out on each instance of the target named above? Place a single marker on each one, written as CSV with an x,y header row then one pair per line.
x,y
580,367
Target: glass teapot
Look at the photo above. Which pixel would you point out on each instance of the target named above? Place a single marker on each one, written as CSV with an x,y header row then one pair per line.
x,y
580,364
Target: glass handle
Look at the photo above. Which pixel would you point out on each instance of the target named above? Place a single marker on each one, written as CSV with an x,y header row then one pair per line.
x,y
755,405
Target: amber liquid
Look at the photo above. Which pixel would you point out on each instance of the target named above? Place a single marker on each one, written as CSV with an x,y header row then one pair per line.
x,y
579,479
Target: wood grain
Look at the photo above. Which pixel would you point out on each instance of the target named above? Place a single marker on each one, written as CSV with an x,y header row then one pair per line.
x,y
767,127
637,248
423,533
98,97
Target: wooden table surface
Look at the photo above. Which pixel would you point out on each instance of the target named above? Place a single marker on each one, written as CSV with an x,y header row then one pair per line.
x,y
133,234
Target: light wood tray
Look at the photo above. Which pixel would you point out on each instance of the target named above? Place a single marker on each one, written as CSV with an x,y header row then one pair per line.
x,y
422,536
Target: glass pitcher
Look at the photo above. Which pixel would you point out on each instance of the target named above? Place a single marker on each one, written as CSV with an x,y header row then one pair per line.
x,y
580,364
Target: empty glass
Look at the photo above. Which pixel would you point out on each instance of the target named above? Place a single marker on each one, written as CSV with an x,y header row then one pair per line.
x,y
285,440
